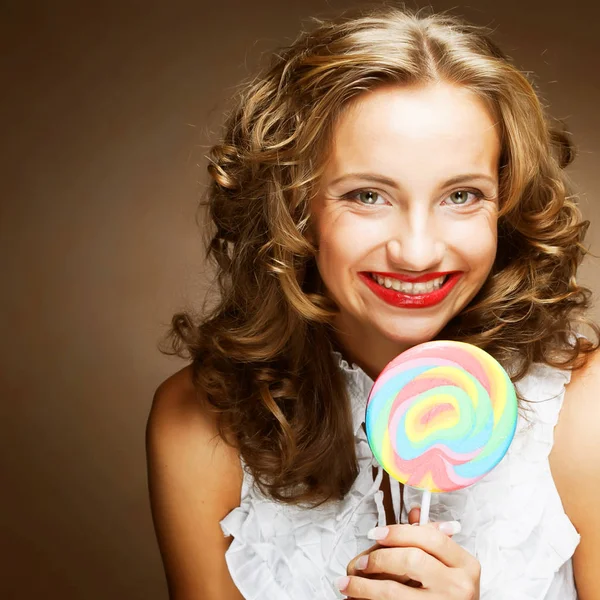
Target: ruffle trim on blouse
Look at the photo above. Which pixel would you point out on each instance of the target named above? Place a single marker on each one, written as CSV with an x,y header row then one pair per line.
x,y
512,519
286,552
521,532
359,388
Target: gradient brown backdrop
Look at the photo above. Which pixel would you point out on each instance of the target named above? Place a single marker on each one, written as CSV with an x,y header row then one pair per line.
x,y
107,110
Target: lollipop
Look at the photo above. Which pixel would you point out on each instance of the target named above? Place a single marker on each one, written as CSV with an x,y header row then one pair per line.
x,y
440,416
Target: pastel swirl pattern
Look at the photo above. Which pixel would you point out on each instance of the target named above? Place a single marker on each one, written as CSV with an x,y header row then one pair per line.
x,y
441,415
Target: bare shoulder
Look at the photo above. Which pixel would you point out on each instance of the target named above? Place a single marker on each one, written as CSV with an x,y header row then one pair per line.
x,y
575,465
182,425
194,481
177,398
577,433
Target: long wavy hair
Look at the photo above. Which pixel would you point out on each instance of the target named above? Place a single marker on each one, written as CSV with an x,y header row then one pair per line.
x,y
263,353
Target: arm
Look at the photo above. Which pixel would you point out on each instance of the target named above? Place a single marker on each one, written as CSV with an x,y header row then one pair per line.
x,y
575,465
194,481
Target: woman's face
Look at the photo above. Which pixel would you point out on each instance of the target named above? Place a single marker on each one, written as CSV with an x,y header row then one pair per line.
x,y
409,194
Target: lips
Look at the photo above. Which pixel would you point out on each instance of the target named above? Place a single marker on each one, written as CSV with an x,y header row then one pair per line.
x,y
403,300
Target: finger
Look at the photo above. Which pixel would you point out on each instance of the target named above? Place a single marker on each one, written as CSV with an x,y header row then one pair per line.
x,y
410,563
448,527
351,568
354,568
429,539
414,515
398,578
373,589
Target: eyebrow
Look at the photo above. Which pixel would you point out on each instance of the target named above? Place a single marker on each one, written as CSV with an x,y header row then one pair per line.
x,y
391,183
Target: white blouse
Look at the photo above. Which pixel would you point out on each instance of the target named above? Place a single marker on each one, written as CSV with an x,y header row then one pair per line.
x,y
512,520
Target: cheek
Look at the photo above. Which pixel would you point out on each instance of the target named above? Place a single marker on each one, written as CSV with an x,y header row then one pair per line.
x,y
336,256
478,247
339,258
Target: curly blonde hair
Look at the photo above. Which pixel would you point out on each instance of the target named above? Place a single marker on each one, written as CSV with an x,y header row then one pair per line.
x,y
263,354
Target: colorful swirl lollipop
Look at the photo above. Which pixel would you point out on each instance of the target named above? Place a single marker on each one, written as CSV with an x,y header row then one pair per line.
x,y
441,415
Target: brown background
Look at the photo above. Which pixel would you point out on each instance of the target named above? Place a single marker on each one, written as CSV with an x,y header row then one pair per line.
x,y
107,110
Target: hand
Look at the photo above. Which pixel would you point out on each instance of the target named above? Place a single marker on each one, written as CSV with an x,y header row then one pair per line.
x,y
409,557
413,519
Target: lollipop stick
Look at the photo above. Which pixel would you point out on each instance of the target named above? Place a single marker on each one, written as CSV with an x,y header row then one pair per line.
x,y
425,504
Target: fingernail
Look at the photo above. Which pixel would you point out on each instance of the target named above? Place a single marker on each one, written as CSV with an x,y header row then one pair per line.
x,y
342,583
362,562
378,533
450,527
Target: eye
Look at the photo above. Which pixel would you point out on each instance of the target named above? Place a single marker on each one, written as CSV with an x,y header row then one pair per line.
x,y
366,197
461,197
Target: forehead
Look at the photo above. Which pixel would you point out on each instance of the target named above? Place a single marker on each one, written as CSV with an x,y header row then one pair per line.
x,y
436,130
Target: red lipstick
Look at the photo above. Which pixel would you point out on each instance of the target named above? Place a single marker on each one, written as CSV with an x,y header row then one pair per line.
x,y
402,300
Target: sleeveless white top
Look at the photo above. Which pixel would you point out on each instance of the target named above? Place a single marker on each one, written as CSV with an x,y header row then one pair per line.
x,y
512,520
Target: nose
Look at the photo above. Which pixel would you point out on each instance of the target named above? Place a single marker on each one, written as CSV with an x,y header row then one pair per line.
x,y
417,244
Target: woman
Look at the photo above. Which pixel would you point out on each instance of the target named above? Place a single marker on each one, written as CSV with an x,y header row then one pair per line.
x,y
389,180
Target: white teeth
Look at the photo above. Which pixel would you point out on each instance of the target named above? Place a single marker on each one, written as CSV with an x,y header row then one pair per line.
x,y
410,288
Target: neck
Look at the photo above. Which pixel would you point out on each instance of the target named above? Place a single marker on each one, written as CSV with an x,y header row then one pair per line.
x,y
369,352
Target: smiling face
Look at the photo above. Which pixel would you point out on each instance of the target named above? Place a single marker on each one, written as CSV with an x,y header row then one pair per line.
x,y
409,192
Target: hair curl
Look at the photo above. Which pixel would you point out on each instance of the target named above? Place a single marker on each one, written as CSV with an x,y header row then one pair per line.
x,y
254,353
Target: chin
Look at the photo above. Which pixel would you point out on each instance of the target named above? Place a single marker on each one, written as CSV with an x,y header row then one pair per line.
x,y
414,329
407,340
